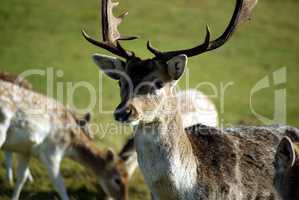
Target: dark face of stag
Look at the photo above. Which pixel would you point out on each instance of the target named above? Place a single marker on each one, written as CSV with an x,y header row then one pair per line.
x,y
287,169
144,85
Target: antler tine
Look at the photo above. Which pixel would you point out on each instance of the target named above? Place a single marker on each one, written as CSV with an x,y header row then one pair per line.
x,y
241,13
111,48
110,33
110,23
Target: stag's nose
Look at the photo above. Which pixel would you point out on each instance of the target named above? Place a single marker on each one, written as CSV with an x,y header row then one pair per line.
x,y
123,115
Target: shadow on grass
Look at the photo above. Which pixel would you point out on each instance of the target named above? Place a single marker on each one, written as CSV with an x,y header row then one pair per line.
x,y
81,193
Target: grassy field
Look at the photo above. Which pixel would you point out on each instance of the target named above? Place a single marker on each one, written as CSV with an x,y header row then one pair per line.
x,y
46,34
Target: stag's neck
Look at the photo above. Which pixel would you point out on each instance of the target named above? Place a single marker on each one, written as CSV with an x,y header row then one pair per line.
x,y
165,155
85,151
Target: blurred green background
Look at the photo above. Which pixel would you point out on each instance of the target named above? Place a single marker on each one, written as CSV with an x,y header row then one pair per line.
x,y
46,34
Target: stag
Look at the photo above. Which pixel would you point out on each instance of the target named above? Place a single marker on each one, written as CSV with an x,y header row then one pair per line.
x,y
199,162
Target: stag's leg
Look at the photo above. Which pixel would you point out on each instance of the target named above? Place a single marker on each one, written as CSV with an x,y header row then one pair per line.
x,y
52,161
22,174
8,165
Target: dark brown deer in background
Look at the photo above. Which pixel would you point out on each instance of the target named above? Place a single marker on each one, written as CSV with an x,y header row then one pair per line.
x,y
287,168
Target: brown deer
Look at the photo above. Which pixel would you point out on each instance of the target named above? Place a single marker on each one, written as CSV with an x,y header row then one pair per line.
x,y
33,125
200,162
287,168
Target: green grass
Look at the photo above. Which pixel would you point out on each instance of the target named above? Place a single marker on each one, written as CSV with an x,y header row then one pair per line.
x,y
40,34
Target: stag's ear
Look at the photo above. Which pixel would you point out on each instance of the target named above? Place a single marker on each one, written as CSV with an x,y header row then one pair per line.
x,y
285,156
176,66
110,156
111,66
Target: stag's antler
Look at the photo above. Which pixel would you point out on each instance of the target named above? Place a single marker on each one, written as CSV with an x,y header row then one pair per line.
x,y
110,33
241,13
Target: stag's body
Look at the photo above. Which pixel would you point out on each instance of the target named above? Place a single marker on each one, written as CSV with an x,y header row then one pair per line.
x,y
205,163
33,125
176,163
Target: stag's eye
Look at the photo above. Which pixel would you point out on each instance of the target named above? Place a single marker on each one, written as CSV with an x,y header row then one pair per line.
x,y
159,84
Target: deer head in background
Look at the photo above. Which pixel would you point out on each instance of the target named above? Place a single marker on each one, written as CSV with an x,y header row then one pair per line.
x,y
287,169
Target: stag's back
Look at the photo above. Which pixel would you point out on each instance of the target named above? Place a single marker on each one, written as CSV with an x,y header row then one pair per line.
x,y
237,163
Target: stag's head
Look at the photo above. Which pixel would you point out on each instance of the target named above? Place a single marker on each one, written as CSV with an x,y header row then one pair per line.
x,y
144,84
287,169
